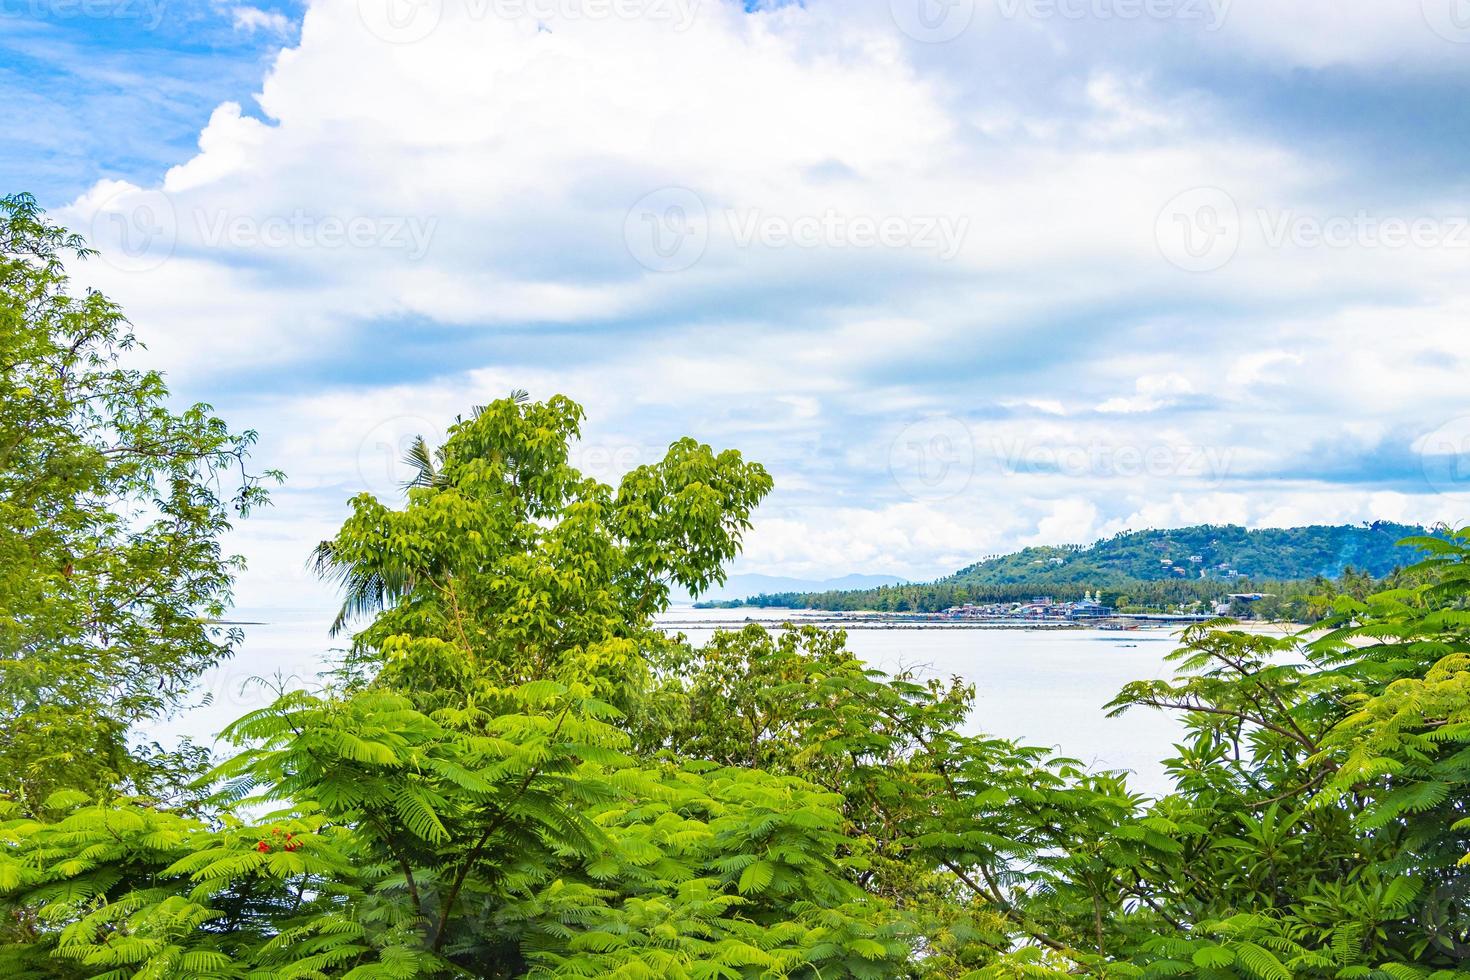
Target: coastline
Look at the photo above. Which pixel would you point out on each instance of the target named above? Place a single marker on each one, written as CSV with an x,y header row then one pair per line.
x,y
690,617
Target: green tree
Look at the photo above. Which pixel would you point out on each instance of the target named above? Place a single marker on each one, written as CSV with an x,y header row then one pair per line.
x,y
111,509
470,799
1318,820
516,774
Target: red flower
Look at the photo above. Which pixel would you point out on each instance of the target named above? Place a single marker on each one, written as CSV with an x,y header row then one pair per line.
x,y
262,847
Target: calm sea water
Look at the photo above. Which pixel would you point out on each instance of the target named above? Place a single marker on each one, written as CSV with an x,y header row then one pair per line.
x,y
1042,687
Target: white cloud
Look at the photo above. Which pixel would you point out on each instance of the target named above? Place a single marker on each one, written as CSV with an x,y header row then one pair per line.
x,y
252,19
1070,521
1151,393
1423,34
1263,366
490,167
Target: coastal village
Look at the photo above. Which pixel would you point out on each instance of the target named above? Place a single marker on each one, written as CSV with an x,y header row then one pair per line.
x,y
1089,609
1041,609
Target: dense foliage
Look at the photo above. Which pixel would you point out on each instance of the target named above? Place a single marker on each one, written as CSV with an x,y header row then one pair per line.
x,y
1154,570
111,508
1295,601
1214,550
515,774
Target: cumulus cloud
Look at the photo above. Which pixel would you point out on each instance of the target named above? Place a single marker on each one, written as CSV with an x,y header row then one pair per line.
x,y
1150,393
252,19
1262,366
952,311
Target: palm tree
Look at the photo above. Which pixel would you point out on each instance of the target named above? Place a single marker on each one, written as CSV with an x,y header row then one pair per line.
x,y
367,590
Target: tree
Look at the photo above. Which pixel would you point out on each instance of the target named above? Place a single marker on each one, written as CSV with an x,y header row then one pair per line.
x,y
1318,820
516,774
111,510
469,800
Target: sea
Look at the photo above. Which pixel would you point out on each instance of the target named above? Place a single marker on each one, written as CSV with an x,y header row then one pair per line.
x,y
1041,686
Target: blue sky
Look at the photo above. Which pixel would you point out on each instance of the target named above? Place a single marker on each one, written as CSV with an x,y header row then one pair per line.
x,y
121,88
965,275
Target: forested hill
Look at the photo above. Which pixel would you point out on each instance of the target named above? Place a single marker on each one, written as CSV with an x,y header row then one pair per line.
x,y
1153,569
1208,551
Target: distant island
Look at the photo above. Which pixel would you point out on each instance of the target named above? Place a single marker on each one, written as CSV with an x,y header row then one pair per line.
x,y
1200,569
742,586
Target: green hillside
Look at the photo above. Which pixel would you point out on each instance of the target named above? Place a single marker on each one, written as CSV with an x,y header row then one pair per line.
x,y
1155,569
1221,552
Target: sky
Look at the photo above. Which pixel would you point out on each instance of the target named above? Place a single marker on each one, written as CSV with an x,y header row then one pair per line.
x,y
965,275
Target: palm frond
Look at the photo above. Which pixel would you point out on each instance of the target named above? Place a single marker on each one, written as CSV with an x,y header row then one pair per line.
x,y
426,464
365,591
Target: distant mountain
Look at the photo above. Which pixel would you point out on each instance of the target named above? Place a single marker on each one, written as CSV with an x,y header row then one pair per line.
x,y
1205,551
1152,568
741,586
